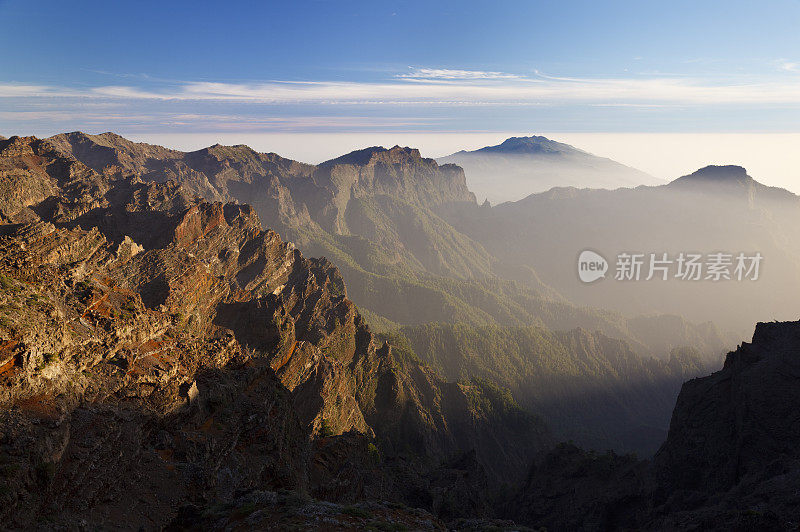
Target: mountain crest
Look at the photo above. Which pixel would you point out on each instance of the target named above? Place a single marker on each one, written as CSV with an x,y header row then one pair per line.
x,y
378,154
734,422
533,144
236,152
718,174
520,166
731,181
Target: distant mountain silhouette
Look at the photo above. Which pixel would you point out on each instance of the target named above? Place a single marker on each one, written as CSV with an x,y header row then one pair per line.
x,y
728,173
731,180
717,209
532,144
520,166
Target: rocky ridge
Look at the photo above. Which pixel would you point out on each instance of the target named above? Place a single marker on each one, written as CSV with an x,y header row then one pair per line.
x,y
378,213
168,348
733,435
377,197
164,361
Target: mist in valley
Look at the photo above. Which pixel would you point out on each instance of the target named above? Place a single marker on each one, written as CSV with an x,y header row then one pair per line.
x,y
417,251
715,210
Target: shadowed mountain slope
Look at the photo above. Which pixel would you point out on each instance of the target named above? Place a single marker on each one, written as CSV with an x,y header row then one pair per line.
x,y
730,461
591,389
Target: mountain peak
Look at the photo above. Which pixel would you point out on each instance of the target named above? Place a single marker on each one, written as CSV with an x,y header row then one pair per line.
x,y
535,144
237,153
718,173
730,178
398,171
520,166
376,153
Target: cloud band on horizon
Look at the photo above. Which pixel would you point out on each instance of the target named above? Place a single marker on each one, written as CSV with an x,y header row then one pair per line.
x,y
443,87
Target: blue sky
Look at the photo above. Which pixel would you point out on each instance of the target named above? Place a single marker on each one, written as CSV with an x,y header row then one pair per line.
x,y
380,68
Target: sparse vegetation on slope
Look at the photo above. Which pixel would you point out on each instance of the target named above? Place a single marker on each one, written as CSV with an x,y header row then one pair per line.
x,y
591,388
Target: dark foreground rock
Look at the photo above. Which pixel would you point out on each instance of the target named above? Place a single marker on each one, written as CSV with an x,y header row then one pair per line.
x,y
730,462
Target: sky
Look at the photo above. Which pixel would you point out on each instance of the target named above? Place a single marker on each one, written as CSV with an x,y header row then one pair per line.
x,y
664,86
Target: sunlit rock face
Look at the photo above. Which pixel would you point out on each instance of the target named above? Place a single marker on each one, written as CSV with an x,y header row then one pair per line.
x,y
164,349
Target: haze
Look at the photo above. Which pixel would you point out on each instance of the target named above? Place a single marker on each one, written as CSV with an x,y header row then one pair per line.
x,y
410,265
772,158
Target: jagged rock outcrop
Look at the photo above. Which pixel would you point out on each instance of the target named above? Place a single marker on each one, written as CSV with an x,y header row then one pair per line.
x,y
732,423
216,173
227,173
732,446
400,172
159,346
376,198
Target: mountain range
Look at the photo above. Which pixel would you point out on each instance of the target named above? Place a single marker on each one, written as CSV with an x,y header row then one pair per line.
x,y
717,209
379,215
171,361
521,166
155,345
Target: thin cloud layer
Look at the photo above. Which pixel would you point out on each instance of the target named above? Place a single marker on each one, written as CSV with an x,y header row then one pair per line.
x,y
445,87
444,73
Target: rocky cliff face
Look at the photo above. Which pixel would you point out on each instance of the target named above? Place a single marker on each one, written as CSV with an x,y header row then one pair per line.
x,y
379,198
158,350
216,173
401,172
238,173
730,461
733,437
